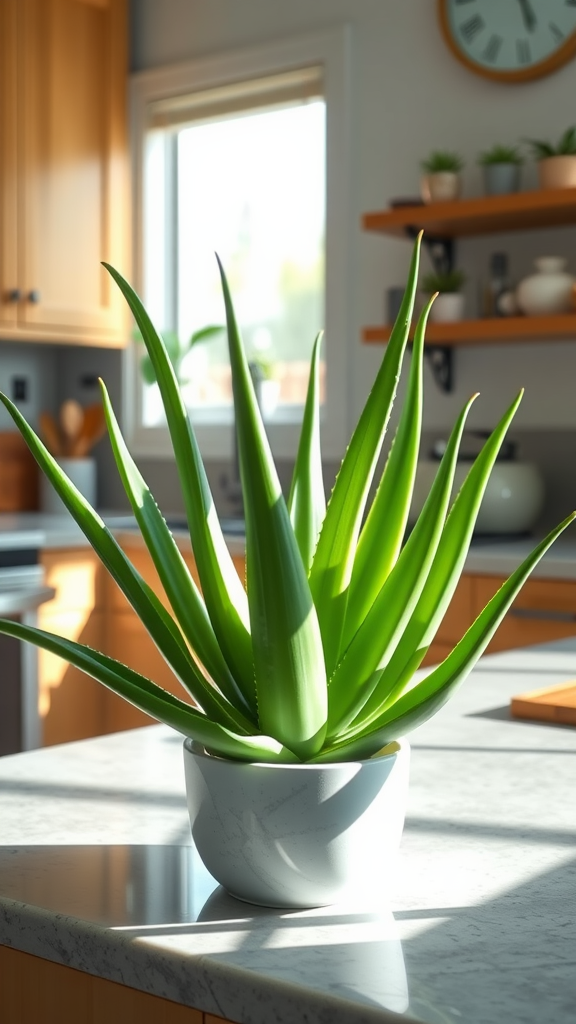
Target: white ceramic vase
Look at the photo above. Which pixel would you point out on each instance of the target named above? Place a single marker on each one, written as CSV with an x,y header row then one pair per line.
x,y
447,308
440,187
298,835
82,473
557,172
549,290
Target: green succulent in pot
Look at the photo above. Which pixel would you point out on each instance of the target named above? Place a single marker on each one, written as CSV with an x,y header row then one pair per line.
x,y
566,145
314,661
498,154
441,161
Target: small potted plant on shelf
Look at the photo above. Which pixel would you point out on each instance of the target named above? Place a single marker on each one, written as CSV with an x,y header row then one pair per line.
x,y
501,169
449,304
298,691
441,181
556,163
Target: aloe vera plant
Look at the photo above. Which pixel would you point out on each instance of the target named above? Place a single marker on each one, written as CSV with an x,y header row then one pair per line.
x,y
315,660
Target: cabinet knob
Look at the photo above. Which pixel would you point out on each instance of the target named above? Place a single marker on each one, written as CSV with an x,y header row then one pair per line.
x,y
14,295
34,296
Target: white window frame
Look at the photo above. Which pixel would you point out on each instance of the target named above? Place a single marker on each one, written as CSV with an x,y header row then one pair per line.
x,y
331,50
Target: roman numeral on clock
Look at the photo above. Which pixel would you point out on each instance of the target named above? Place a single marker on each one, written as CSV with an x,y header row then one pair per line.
x,y
492,48
469,29
523,51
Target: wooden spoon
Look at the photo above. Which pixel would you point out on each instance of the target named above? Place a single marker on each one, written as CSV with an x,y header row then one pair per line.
x,y
50,432
71,422
93,428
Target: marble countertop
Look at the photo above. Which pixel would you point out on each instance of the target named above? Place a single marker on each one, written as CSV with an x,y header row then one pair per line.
x,y
97,871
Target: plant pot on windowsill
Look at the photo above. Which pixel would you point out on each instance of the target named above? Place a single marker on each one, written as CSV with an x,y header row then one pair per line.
x,y
255,665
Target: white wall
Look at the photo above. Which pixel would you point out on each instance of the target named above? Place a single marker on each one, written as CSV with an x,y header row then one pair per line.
x,y
409,96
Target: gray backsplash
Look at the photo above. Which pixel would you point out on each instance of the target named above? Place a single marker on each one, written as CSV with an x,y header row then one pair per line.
x,y
55,373
554,452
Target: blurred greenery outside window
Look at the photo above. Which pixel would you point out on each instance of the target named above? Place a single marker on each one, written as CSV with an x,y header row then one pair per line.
x,y
239,170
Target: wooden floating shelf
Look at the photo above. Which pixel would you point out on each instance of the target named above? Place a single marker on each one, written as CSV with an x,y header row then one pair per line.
x,y
485,215
560,327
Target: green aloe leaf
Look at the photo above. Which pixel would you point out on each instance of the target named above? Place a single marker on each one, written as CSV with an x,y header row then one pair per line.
x,y
175,577
443,577
161,627
152,699
375,641
429,695
223,592
288,657
334,558
307,502
383,532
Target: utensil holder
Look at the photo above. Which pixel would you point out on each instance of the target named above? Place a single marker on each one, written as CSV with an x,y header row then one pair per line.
x,y
82,473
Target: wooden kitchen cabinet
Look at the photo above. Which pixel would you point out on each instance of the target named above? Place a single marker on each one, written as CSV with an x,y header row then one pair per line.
x,y
128,641
459,616
36,989
544,610
90,608
63,169
71,704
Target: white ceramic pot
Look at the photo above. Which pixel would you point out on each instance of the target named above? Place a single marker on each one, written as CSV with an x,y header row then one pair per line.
x,y
512,502
82,473
440,187
557,172
501,179
549,290
447,308
298,835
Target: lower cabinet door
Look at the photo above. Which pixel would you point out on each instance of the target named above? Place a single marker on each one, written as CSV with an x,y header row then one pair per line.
x,y
544,610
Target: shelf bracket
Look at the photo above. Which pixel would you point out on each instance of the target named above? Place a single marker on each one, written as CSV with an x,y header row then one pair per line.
x,y
442,250
441,362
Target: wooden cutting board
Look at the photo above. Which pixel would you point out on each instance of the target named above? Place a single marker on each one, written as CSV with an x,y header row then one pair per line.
x,y
18,474
553,704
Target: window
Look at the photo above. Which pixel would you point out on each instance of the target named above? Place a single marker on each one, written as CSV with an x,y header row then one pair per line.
x,y
232,158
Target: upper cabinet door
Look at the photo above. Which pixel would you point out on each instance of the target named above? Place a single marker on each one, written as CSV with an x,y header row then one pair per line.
x,y
8,250
73,204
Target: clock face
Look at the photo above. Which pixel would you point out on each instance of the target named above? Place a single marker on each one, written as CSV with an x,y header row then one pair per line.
x,y
510,40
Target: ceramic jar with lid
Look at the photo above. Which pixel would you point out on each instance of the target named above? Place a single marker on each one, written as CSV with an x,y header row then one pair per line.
x,y
549,290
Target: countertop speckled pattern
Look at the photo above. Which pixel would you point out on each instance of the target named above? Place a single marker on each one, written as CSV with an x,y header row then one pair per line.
x,y
478,925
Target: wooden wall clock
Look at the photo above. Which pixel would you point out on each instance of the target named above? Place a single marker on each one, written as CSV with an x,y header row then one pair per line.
x,y
510,40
